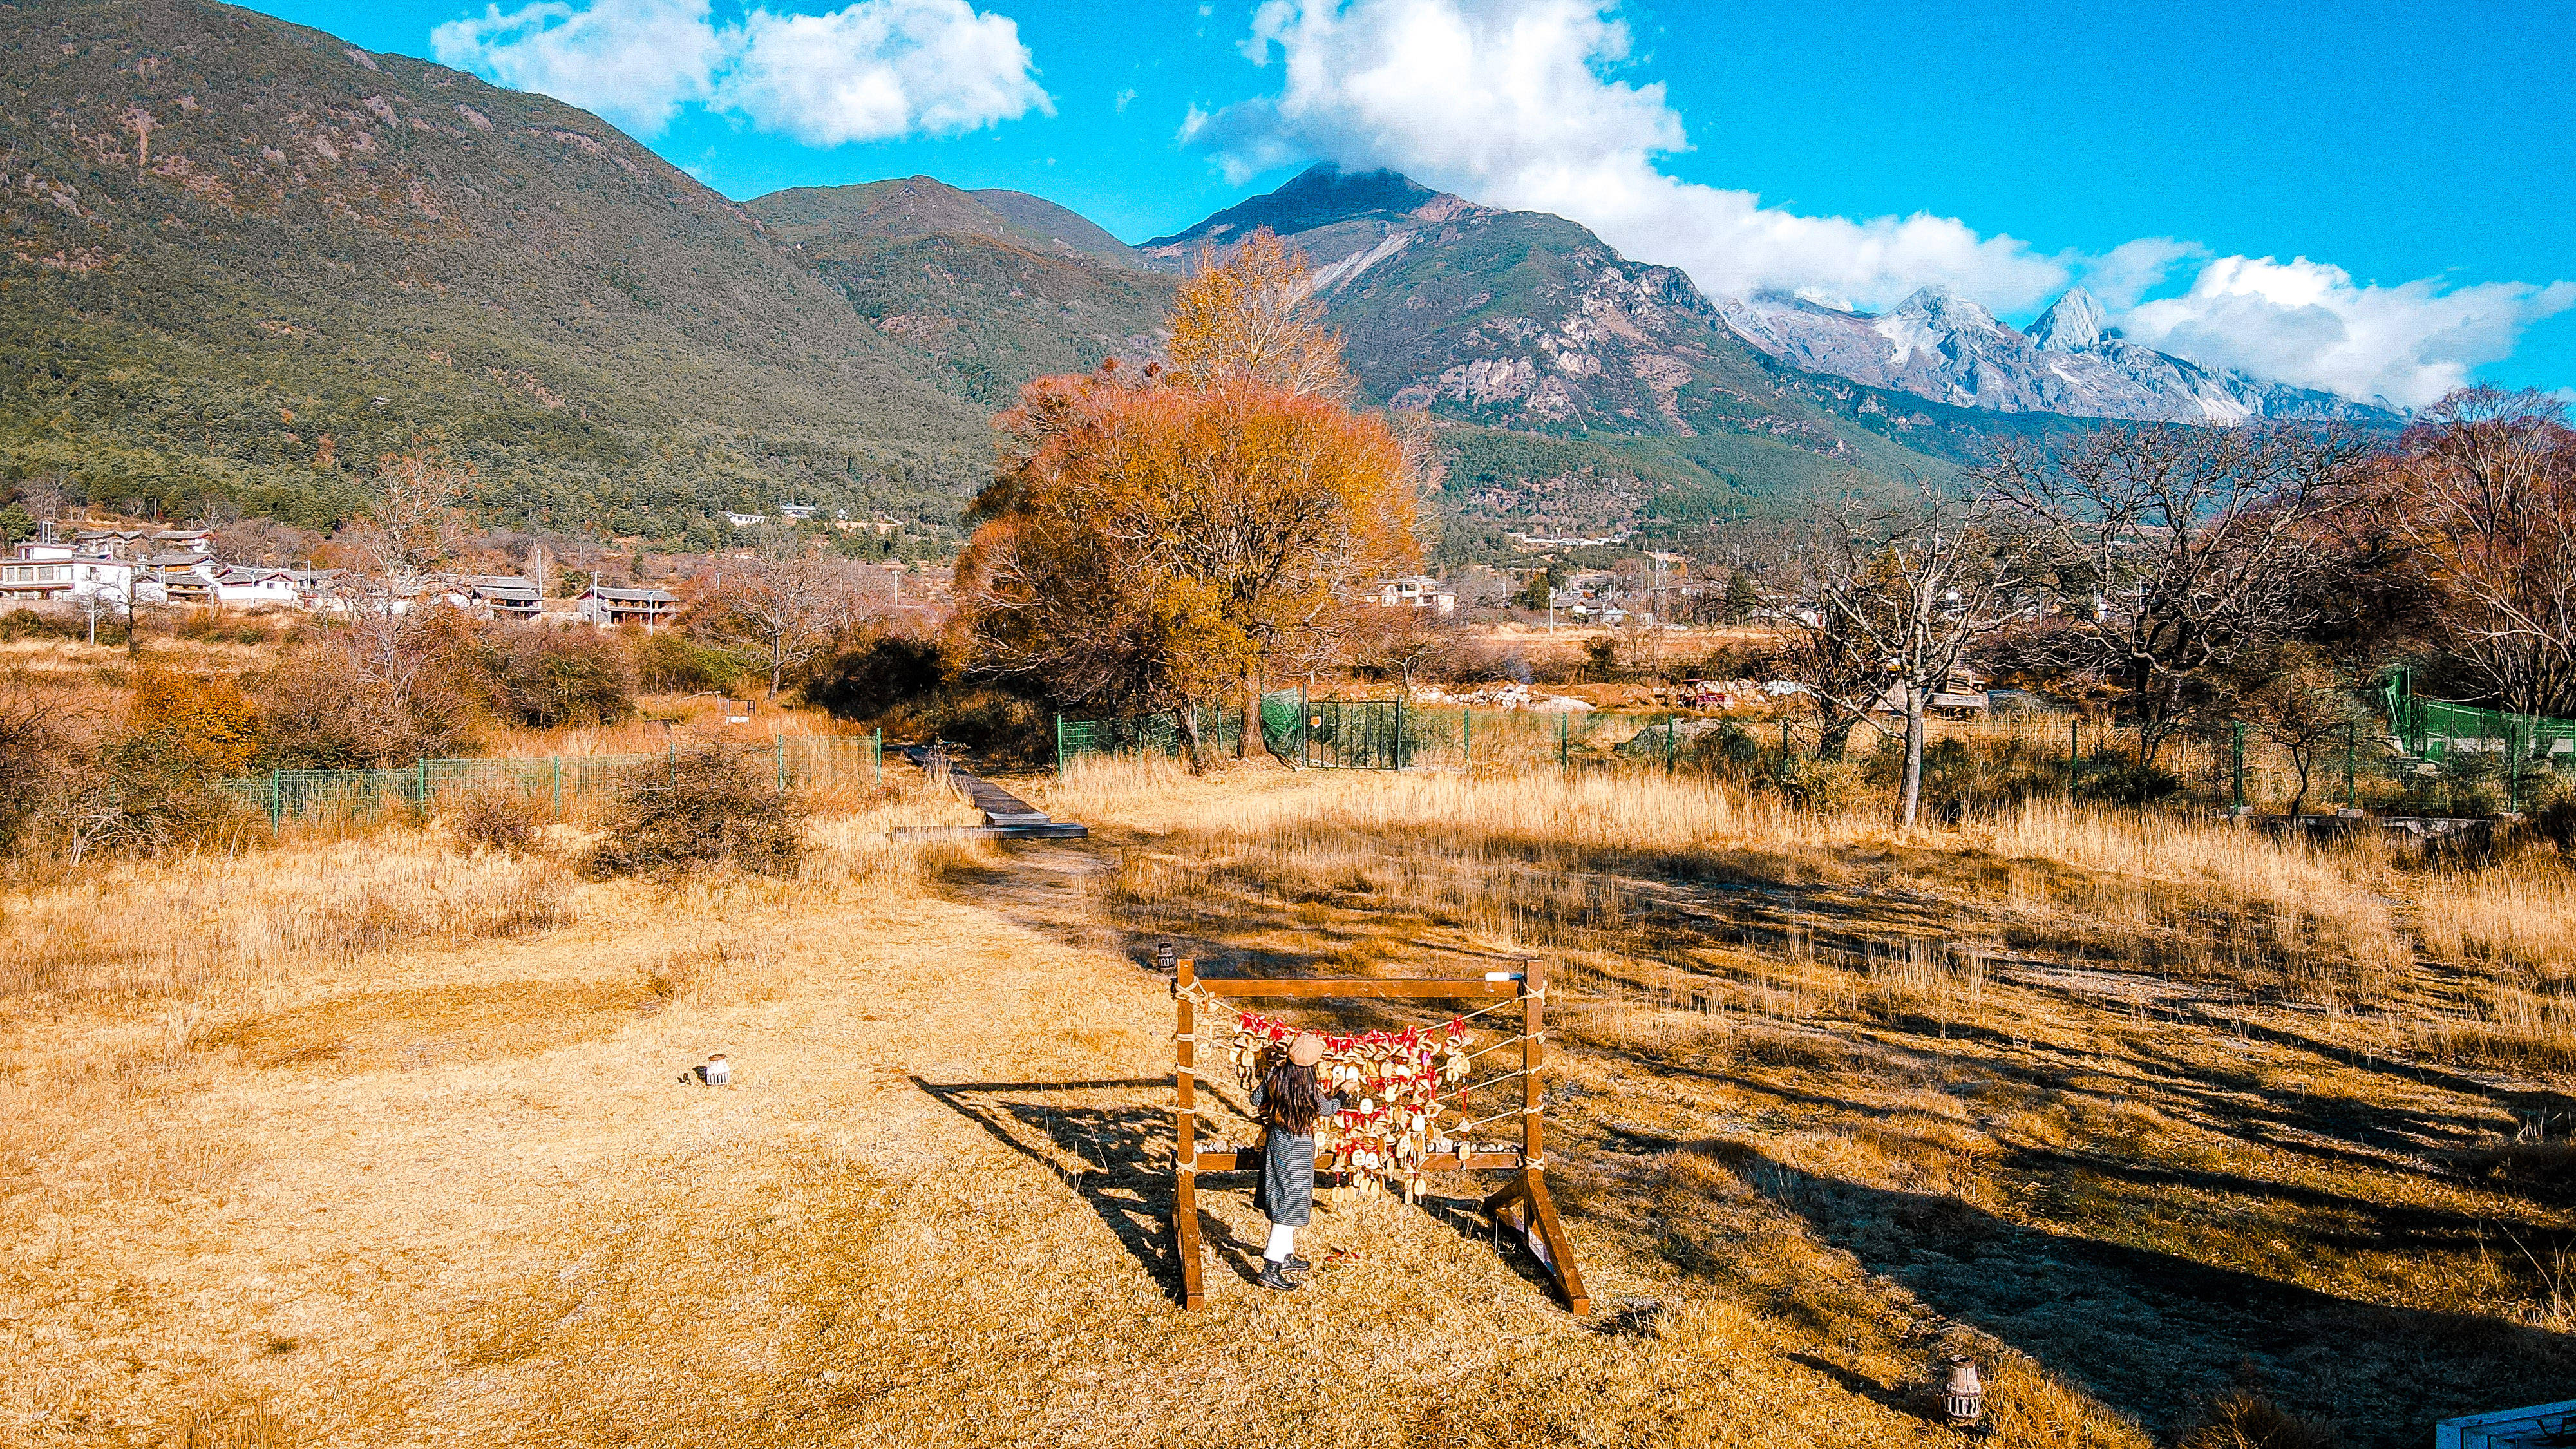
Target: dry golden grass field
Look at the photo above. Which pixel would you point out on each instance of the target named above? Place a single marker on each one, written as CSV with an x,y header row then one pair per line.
x,y
2188,1137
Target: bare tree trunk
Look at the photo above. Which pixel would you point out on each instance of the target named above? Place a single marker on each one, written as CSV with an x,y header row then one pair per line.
x,y
1833,737
1913,795
1188,715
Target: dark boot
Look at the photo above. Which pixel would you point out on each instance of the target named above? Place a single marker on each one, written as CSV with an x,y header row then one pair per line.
x,y
1271,1277
1295,1264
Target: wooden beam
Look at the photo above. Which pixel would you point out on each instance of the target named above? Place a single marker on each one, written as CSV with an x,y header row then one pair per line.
x,y
1568,1277
1185,1196
1249,1158
1383,989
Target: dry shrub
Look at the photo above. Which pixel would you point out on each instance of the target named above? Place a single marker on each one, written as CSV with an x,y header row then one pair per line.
x,y
1826,786
2244,1419
29,744
710,805
494,818
326,707
539,677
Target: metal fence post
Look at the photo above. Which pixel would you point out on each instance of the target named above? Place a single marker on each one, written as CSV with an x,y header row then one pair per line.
x,y
558,786
2074,753
2349,800
423,766
1672,741
781,741
276,798
1565,742
1466,743
1059,746
1399,731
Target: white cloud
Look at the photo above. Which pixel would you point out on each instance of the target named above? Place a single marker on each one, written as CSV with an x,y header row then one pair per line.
x,y
1513,103
633,61
880,69
2310,323
1520,103
871,71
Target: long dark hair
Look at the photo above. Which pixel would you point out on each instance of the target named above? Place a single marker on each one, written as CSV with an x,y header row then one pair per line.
x,y
1290,1097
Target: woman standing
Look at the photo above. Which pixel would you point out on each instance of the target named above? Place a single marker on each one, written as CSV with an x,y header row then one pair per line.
x,y
1288,1102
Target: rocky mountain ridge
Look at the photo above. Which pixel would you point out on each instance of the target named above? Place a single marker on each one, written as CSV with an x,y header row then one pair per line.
x,y
1937,344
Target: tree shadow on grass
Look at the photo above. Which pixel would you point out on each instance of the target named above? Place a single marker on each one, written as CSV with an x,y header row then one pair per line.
x,y
2156,1335
1116,1155
1112,1151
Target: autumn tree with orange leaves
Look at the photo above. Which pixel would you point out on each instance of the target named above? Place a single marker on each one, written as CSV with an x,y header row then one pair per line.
x,y
1156,542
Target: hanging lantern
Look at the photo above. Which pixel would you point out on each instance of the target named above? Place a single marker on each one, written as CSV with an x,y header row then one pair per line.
x,y
1963,1395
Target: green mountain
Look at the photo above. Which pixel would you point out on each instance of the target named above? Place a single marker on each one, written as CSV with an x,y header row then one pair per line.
x,y
243,259
1579,391
985,298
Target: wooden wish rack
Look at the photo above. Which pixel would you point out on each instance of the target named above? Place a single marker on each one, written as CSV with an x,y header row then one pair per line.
x,y
1522,1204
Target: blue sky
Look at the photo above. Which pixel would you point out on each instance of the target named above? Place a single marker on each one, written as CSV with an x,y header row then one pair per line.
x,y
2379,199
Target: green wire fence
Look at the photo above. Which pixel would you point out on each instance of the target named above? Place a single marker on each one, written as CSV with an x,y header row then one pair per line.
x,y
1398,734
285,795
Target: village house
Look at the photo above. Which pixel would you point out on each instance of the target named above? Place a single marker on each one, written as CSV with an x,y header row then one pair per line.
x,y
255,587
1416,591
648,607
499,596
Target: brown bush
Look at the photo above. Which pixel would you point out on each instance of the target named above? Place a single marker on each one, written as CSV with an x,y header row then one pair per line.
x,y
30,745
327,707
495,818
539,677
705,806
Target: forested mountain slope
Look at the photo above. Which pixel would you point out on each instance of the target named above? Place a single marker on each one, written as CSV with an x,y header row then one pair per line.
x,y
987,300
245,258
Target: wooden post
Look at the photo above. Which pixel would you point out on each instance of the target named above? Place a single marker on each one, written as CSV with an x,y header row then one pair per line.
x,y
1185,1190
1524,1202
1533,1023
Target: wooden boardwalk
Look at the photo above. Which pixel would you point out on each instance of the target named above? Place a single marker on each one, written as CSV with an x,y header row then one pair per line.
x,y
1006,816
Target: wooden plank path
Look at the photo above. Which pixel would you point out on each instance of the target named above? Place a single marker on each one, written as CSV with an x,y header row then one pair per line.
x,y
1006,816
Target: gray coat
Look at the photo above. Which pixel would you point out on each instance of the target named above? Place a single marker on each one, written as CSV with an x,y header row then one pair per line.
x,y
1286,1194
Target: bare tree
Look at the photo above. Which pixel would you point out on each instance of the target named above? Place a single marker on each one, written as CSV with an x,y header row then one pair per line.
x,y
1402,640
1912,585
2302,702
2173,550
2484,493
405,537
784,604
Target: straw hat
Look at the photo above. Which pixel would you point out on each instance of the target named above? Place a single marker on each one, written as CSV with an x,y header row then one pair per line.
x,y
1307,1049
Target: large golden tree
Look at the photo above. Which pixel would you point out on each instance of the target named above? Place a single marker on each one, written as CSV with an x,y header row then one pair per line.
x,y
1158,541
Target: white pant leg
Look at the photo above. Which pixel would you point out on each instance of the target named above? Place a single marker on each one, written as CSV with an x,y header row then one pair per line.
x,y
1283,1241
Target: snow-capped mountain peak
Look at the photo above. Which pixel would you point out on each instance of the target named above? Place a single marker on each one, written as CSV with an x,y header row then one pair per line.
x,y
1940,345
2072,323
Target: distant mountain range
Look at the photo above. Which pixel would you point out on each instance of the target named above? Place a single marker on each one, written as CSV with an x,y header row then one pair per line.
x,y
1938,344
242,259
